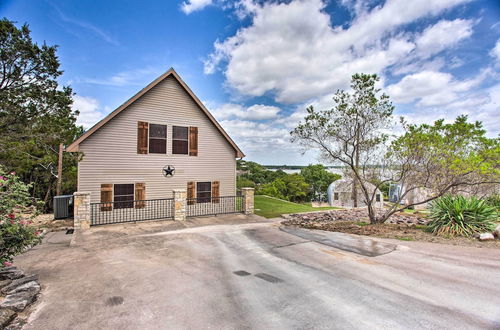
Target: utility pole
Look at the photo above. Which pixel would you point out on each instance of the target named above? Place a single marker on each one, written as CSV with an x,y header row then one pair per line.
x,y
59,170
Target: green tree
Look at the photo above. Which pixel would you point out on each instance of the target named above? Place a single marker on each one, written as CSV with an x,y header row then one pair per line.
x,y
445,158
275,189
35,112
440,158
318,179
351,133
242,182
296,188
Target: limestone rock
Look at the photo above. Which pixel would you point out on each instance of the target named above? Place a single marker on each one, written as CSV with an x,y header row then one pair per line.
x,y
18,301
18,282
310,219
486,236
497,231
4,283
10,273
30,286
6,316
17,324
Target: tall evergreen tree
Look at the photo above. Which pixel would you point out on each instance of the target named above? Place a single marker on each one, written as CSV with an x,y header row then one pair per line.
x,y
35,112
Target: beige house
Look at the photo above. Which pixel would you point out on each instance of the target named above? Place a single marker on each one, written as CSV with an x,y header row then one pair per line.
x,y
161,139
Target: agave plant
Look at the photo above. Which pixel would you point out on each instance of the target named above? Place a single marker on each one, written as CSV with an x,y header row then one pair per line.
x,y
461,216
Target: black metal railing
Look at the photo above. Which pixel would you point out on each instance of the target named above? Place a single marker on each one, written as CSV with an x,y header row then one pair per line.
x,y
131,211
214,205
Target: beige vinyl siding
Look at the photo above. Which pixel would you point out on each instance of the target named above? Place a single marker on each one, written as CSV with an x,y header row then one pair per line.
x,y
110,154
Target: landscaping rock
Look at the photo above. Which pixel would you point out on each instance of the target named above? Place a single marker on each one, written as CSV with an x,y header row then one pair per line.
x,y
18,282
30,286
497,231
358,215
6,316
486,237
17,324
11,273
4,283
18,301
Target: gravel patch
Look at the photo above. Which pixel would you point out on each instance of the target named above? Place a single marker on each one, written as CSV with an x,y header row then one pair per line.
x,y
401,226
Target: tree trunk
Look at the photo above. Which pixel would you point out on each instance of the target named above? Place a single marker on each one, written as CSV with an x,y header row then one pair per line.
x,y
59,169
47,197
355,179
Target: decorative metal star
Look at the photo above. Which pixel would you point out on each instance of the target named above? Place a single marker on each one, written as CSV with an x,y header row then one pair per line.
x,y
168,170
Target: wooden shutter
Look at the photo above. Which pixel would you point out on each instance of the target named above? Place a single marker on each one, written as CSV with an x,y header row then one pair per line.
x,y
140,195
193,141
215,192
191,192
106,196
142,137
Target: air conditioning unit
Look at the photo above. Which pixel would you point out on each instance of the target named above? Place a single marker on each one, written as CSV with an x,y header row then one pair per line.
x,y
63,206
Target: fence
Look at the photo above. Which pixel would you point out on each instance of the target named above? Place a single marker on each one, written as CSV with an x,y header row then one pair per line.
x,y
212,206
178,208
131,211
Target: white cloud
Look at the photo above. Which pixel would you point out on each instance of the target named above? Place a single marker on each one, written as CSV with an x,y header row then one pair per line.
x,y
495,52
259,139
254,112
87,26
136,77
431,88
293,51
190,6
483,106
89,111
442,35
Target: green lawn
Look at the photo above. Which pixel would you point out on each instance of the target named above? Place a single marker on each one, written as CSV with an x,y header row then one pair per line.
x,y
271,208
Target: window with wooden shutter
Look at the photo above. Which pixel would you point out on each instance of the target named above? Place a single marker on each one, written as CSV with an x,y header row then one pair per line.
x,y
215,192
193,141
123,196
180,140
142,137
191,193
106,196
140,195
157,139
203,192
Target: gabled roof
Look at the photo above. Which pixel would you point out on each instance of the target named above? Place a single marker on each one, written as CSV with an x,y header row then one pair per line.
x,y
73,147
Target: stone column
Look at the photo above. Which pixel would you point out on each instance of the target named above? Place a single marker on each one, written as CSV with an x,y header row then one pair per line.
x,y
180,204
247,200
81,210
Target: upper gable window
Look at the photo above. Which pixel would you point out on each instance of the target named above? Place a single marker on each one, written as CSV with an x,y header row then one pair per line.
x,y
157,139
180,140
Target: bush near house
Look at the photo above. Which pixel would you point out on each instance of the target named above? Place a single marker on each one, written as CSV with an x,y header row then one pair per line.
x,y
461,216
291,187
17,208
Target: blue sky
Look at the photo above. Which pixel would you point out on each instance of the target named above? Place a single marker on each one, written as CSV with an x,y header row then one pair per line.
x,y
257,64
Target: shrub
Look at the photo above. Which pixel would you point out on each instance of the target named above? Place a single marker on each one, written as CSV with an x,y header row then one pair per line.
x,y
493,201
242,182
17,209
460,216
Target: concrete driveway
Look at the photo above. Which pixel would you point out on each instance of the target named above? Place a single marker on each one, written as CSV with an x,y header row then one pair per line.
x,y
236,275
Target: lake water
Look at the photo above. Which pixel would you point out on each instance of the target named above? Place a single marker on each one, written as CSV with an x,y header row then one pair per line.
x,y
289,171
